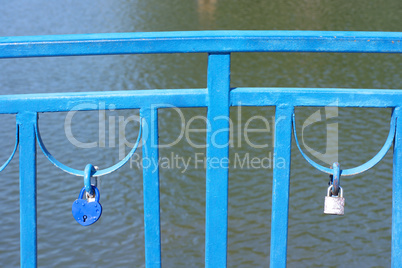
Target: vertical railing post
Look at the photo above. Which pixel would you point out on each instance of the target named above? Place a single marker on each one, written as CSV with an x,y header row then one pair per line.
x,y
280,186
27,152
396,251
217,167
151,187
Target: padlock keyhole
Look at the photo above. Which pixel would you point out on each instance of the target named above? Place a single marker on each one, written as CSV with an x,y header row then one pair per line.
x,y
84,217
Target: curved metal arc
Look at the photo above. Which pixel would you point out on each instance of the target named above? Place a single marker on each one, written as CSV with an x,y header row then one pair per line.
x,y
77,172
15,149
356,170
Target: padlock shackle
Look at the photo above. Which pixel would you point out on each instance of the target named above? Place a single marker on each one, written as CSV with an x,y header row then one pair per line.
x,y
336,178
96,192
88,172
330,192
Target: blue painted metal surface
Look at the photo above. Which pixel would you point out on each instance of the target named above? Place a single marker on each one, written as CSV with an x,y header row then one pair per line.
x,y
152,223
217,97
336,179
88,172
216,220
28,224
196,42
87,212
396,259
280,185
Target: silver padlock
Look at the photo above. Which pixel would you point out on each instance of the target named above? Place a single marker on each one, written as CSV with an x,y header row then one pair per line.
x,y
334,205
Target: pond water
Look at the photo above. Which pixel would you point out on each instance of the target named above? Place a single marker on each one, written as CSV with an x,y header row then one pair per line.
x,y
362,238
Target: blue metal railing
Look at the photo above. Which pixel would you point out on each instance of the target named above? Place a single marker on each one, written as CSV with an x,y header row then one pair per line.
x,y
217,97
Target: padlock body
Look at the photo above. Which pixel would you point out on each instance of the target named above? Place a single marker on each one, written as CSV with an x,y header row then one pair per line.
x,y
87,211
334,205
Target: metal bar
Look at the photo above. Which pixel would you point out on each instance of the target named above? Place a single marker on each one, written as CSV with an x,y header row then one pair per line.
x,y
217,168
396,251
340,97
90,101
27,152
280,185
166,98
151,187
200,42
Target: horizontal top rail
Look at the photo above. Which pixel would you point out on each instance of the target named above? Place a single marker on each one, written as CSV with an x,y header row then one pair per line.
x,y
200,42
217,97
167,98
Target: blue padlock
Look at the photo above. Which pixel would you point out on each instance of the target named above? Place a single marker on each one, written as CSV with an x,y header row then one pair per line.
x,y
84,212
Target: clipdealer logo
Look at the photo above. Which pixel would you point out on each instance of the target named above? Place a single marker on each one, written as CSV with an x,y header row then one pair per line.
x,y
328,115
244,131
